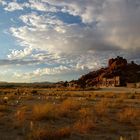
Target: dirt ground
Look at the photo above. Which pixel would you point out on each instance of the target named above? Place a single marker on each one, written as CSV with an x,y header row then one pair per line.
x,y
42,114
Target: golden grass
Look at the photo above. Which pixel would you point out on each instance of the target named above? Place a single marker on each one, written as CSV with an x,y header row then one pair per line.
x,y
110,95
69,108
84,125
86,112
72,114
49,133
55,111
20,117
116,104
44,111
4,108
129,115
102,107
71,104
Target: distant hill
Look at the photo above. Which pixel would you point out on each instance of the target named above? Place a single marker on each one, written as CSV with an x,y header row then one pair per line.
x,y
35,85
128,73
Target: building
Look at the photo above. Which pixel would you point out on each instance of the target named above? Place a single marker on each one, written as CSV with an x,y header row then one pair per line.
x,y
110,82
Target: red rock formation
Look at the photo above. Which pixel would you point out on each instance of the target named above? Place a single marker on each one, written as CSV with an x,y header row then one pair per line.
x,y
116,67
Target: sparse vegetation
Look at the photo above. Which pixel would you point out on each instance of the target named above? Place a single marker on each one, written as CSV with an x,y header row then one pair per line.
x,y
4,108
69,115
129,115
49,133
44,111
19,117
102,107
84,125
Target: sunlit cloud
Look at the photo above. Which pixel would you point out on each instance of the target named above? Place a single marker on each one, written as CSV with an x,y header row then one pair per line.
x,y
78,35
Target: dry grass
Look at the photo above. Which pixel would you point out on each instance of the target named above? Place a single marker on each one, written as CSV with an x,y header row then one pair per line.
x,y
69,108
71,104
50,111
20,117
86,112
49,133
4,108
46,111
123,96
116,104
29,97
110,95
84,125
69,115
129,115
102,107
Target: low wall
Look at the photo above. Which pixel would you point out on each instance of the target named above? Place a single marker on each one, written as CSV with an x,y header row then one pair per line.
x,y
131,85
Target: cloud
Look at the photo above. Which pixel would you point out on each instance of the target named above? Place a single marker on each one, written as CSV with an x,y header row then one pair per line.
x,y
106,28
12,6
3,2
7,62
42,6
52,34
123,28
47,72
19,54
88,10
99,33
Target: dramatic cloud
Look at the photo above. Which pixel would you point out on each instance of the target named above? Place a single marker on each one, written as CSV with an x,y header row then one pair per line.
x,y
75,34
111,25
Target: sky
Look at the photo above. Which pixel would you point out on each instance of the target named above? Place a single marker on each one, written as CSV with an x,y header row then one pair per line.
x,y
54,40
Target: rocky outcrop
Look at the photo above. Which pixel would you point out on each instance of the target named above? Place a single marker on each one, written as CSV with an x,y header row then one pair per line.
x,y
116,63
129,72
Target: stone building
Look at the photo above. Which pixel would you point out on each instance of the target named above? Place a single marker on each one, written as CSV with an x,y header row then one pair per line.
x,y
110,82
